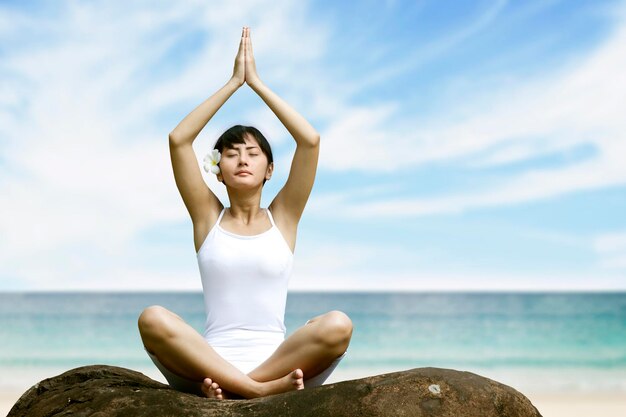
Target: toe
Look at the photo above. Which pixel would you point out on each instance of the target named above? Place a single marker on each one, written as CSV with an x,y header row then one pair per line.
x,y
298,381
205,387
219,394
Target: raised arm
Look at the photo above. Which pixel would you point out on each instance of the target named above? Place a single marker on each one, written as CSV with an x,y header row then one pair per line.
x,y
289,203
200,201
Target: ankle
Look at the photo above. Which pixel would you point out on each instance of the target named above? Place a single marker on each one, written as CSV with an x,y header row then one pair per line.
x,y
256,389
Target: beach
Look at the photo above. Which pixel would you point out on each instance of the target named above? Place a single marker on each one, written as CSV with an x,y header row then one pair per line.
x,y
577,405
566,352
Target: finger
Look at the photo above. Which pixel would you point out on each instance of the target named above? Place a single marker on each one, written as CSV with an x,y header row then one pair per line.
x,y
244,42
249,41
240,52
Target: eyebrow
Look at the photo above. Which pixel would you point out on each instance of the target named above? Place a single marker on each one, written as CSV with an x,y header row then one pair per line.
x,y
247,147
252,147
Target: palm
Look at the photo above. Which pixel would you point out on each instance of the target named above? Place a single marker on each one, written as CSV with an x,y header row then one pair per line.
x,y
240,61
251,76
245,67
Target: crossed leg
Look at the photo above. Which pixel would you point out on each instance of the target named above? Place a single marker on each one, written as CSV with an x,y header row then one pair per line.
x,y
182,350
311,348
308,351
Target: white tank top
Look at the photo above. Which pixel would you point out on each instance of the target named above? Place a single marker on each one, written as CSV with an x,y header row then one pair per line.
x,y
244,280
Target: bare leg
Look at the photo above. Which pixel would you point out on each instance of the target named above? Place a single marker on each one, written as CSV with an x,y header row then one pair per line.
x,y
311,348
185,352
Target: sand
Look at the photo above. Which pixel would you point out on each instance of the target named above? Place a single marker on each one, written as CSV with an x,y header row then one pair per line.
x,y
579,404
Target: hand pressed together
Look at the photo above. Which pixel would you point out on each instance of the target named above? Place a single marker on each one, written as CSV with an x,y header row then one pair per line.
x,y
245,67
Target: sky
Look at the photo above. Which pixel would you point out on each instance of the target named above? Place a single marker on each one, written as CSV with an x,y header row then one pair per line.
x,y
465,145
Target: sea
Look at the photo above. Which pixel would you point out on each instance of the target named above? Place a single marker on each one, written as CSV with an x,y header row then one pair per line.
x,y
534,342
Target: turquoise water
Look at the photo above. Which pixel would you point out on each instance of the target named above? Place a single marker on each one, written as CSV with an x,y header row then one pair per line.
x,y
568,336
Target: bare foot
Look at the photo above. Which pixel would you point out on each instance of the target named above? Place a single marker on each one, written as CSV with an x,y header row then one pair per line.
x,y
298,379
290,382
212,389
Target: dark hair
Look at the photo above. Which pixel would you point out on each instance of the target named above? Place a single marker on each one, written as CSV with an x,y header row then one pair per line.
x,y
237,133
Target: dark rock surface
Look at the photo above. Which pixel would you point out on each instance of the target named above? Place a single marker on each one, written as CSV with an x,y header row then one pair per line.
x,y
101,391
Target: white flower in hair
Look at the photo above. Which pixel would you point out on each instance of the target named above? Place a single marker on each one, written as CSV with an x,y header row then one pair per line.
x,y
211,160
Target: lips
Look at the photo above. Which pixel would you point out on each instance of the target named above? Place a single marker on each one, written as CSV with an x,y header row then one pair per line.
x,y
243,172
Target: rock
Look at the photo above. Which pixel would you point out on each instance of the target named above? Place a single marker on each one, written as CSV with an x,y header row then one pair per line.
x,y
101,391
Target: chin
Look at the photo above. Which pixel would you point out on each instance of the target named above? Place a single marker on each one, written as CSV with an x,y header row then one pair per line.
x,y
246,183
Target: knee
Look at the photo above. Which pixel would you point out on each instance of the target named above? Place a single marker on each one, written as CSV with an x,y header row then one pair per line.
x,y
153,321
336,330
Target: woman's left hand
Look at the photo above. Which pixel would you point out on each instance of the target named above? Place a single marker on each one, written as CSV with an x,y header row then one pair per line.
x,y
251,76
239,71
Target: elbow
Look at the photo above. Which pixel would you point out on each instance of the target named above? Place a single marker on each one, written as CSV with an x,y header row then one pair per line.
x,y
313,142
178,138
174,139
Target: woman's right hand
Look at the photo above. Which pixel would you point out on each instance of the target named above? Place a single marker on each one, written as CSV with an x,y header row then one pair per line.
x,y
239,72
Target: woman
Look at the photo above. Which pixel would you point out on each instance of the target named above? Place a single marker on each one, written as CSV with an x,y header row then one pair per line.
x,y
245,257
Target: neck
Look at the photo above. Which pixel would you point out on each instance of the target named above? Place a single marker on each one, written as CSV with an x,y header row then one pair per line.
x,y
244,205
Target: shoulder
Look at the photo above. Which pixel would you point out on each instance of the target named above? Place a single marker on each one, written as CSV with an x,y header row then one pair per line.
x,y
202,227
210,217
286,224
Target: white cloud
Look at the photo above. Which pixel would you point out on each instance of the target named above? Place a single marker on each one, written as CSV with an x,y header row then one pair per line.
x,y
582,104
85,164
85,161
380,266
611,249
428,49
533,185
446,281
327,257
356,141
617,261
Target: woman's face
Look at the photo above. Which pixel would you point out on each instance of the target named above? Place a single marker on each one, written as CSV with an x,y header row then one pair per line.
x,y
244,165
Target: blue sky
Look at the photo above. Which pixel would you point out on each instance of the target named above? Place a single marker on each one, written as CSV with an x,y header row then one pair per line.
x,y
465,145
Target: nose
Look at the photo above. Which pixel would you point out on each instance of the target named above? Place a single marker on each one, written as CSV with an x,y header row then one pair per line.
x,y
243,159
